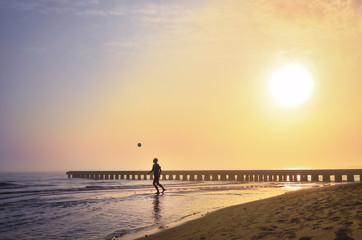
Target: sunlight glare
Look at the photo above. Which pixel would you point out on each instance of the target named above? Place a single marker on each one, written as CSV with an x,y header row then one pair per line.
x,y
291,85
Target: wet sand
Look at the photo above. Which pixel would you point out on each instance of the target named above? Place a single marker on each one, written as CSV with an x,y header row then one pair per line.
x,y
318,213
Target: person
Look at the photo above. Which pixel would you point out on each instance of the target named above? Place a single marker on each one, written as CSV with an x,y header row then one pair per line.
x,y
156,169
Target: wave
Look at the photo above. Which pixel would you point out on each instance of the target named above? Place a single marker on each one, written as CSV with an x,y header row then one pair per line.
x,y
10,190
7,185
97,187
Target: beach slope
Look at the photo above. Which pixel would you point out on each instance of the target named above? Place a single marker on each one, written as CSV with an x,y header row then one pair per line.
x,y
318,213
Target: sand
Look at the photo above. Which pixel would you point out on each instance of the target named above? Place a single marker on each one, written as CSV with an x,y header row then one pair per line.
x,y
318,213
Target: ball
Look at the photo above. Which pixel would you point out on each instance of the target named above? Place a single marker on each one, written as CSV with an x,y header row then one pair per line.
x,y
139,144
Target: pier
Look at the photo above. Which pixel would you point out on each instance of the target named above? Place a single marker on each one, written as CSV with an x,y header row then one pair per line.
x,y
305,175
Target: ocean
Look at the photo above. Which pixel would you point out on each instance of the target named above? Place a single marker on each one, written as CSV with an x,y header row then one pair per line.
x,y
51,206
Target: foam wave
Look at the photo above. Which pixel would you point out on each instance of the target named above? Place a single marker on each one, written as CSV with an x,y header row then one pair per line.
x,y
7,185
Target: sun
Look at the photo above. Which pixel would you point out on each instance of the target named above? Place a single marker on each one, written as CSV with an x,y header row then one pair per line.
x,y
291,85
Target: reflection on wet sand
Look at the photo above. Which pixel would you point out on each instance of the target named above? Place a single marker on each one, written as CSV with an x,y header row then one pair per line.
x,y
156,207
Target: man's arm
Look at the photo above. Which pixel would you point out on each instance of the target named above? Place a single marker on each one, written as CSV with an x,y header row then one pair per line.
x,y
150,171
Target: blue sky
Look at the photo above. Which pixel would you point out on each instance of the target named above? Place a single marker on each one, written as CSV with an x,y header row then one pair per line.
x,y
57,57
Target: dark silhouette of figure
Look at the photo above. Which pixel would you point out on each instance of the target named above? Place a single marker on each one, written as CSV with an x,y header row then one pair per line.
x,y
156,169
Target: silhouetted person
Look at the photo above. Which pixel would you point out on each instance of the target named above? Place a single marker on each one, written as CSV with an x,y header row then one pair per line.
x,y
156,169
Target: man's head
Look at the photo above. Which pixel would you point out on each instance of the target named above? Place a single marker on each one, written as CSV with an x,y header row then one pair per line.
x,y
155,160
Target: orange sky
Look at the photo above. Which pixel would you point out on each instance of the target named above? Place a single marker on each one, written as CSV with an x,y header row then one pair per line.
x,y
190,82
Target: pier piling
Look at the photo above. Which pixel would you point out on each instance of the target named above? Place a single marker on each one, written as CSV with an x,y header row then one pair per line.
x,y
305,175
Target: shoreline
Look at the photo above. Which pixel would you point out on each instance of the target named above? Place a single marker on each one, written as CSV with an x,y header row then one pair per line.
x,y
333,212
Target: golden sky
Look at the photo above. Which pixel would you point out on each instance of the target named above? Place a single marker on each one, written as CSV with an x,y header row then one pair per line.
x,y
189,80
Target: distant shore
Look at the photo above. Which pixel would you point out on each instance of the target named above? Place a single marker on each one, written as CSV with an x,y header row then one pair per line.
x,y
319,213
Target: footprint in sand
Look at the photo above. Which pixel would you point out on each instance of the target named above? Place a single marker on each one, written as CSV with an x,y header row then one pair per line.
x,y
348,223
342,234
335,219
328,228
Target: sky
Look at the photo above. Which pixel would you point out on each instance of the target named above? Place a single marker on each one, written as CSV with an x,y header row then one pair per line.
x,y
82,82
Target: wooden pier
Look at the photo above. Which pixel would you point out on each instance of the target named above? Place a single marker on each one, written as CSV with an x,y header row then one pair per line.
x,y
305,175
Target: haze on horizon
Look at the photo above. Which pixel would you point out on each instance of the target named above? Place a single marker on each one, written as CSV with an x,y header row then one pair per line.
x,y
82,82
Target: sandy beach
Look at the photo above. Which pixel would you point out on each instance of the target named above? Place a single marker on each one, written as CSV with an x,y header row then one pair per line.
x,y
318,213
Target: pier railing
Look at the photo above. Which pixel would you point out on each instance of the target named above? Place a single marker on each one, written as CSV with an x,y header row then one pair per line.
x,y
305,175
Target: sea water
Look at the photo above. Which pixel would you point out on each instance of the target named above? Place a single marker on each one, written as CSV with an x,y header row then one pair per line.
x,y
51,206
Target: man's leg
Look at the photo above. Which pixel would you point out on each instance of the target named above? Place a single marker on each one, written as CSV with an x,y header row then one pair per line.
x,y
155,181
159,184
